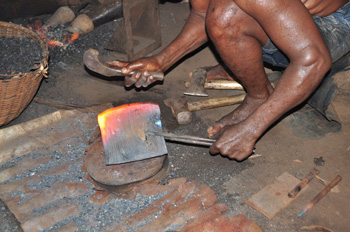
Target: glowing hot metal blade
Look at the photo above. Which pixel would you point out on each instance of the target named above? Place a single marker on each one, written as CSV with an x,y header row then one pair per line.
x,y
123,133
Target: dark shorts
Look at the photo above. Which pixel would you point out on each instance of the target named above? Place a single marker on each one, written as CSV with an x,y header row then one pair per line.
x,y
335,30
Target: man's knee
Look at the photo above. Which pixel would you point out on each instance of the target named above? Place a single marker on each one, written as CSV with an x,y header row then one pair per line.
x,y
226,23
223,21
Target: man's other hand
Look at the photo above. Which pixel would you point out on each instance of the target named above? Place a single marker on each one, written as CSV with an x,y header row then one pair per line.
x,y
141,67
235,141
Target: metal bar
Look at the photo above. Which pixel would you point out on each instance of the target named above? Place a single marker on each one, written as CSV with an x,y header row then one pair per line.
x,y
183,138
320,196
195,142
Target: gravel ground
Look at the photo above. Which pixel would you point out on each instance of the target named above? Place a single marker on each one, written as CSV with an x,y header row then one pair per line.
x,y
9,222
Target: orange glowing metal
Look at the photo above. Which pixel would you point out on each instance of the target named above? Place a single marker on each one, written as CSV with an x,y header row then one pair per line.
x,y
104,119
123,132
107,118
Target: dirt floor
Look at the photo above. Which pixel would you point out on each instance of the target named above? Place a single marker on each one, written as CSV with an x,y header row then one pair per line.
x,y
284,148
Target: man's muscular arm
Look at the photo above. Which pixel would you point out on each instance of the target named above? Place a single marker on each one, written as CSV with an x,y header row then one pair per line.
x,y
192,36
290,26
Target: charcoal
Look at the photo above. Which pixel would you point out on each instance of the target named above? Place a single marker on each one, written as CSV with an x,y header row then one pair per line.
x,y
72,53
19,55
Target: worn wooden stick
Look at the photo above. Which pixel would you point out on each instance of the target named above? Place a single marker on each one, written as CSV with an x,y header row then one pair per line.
x,y
320,195
303,183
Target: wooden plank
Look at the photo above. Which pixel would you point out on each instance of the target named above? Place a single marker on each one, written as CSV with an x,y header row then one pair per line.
x,y
19,140
274,197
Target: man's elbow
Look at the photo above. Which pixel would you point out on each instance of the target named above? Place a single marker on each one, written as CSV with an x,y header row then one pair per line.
x,y
317,62
312,66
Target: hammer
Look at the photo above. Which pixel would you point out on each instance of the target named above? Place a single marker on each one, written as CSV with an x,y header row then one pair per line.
x,y
199,83
92,62
182,109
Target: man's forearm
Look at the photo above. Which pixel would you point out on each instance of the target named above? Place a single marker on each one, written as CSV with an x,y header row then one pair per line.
x,y
292,89
192,36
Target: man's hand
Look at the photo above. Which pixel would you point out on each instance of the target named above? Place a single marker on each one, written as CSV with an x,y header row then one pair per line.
x,y
236,141
142,66
323,7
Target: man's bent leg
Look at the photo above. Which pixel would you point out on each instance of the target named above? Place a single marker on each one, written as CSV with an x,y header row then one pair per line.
x,y
238,38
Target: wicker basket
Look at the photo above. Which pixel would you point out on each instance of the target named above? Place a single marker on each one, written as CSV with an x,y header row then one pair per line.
x,y
18,90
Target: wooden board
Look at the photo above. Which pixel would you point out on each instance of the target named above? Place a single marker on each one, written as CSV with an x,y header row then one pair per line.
x,y
274,197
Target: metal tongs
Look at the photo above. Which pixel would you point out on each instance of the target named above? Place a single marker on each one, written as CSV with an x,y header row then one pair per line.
x,y
183,138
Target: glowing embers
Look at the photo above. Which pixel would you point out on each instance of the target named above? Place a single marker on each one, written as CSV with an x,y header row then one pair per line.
x,y
57,36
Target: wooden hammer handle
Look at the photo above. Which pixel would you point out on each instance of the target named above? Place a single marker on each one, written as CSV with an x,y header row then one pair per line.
x,y
222,84
215,102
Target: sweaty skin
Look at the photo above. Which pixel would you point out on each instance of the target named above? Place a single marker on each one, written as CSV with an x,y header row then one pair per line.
x,y
297,36
315,7
238,29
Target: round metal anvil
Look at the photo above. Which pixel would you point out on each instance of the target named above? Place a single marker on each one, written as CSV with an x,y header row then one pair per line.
x,y
119,174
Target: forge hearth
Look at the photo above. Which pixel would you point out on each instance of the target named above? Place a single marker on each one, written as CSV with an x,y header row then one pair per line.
x,y
121,174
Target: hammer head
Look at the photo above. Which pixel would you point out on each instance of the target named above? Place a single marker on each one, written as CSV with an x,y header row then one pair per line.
x,y
180,110
196,87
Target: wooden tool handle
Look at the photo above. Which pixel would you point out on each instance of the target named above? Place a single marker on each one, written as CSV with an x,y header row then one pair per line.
x,y
215,102
92,62
222,84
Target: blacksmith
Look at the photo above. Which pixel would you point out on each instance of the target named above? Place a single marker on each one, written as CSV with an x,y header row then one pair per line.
x,y
304,36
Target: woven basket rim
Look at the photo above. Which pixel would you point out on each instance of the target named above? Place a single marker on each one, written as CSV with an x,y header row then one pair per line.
x,y
45,52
